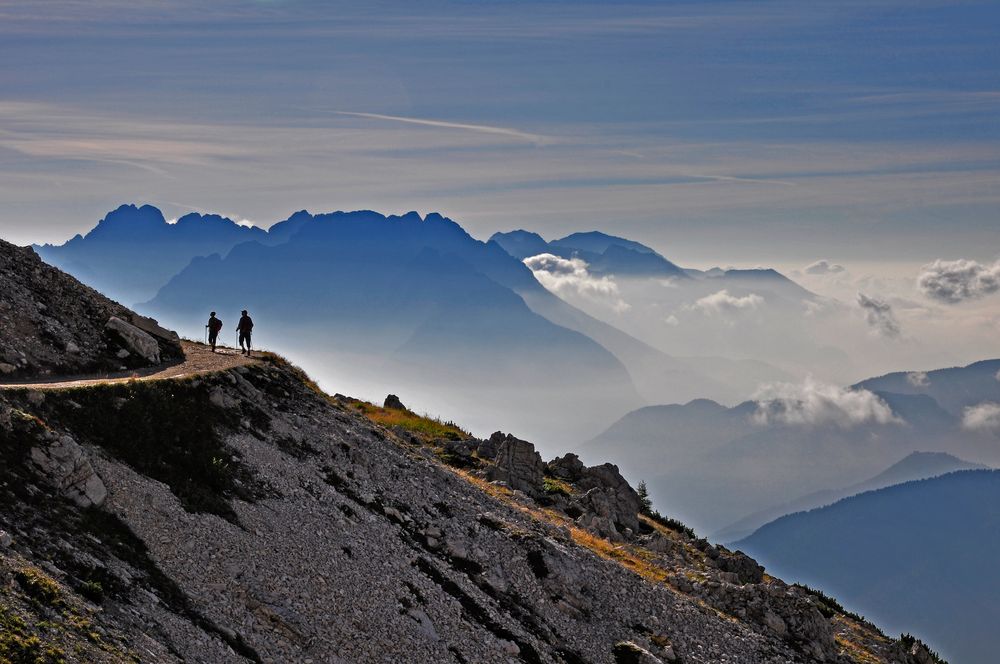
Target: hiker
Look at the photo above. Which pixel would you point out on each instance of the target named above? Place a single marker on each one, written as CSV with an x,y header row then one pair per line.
x,y
245,327
214,325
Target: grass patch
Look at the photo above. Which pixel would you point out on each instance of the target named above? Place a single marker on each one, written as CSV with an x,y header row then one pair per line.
x,y
39,587
427,428
554,486
19,646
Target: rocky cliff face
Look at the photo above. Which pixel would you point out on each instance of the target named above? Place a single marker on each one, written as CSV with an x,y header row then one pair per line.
x,y
241,515
50,324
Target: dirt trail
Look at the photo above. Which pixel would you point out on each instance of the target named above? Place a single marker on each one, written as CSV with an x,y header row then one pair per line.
x,y
198,359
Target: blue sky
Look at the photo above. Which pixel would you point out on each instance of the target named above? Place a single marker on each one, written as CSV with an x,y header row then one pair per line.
x,y
719,132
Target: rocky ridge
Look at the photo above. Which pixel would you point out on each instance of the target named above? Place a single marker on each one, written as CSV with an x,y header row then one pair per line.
x,y
51,324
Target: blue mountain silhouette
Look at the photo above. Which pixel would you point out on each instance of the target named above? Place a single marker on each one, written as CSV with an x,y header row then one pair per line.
x,y
919,556
133,250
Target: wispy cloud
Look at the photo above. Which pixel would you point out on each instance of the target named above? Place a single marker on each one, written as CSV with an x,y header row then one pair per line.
x,y
537,139
722,302
879,316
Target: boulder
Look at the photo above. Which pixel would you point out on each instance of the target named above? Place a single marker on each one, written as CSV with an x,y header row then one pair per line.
x,y
65,465
152,328
626,652
518,465
567,467
392,402
487,449
134,339
609,496
746,569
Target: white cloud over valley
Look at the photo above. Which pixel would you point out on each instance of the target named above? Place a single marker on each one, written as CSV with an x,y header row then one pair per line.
x,y
562,275
982,417
813,403
722,302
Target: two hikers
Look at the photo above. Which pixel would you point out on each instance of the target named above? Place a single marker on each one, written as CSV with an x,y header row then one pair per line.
x,y
244,327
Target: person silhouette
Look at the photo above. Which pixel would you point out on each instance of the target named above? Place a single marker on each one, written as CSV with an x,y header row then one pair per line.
x,y
245,328
214,325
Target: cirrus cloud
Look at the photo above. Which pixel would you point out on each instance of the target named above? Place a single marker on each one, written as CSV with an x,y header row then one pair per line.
x,y
817,404
960,280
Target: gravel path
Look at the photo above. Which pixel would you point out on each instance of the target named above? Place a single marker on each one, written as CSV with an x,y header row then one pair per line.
x,y
198,359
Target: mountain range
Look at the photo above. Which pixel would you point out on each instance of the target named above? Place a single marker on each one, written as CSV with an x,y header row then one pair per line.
x,y
408,301
716,466
916,555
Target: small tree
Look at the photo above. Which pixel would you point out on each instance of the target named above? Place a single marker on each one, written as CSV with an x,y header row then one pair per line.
x,y
647,502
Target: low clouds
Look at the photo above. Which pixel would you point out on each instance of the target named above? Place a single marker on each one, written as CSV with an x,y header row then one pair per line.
x,y
918,379
982,417
724,303
957,281
570,274
879,316
823,267
816,404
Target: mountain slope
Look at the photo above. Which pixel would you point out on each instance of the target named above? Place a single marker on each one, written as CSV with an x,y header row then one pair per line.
x,y
921,554
915,466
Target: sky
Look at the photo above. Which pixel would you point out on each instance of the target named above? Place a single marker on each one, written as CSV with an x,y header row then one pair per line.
x,y
720,133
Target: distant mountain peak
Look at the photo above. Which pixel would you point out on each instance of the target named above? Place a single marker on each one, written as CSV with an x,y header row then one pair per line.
x,y
598,242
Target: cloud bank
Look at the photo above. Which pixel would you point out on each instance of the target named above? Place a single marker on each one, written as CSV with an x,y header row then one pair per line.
x,y
817,404
559,275
982,417
957,281
918,379
879,316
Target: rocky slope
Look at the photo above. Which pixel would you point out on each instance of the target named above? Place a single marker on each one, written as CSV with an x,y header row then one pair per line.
x,y
242,515
50,323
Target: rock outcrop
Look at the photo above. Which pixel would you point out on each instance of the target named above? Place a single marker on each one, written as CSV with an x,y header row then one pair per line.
x,y
517,464
65,465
